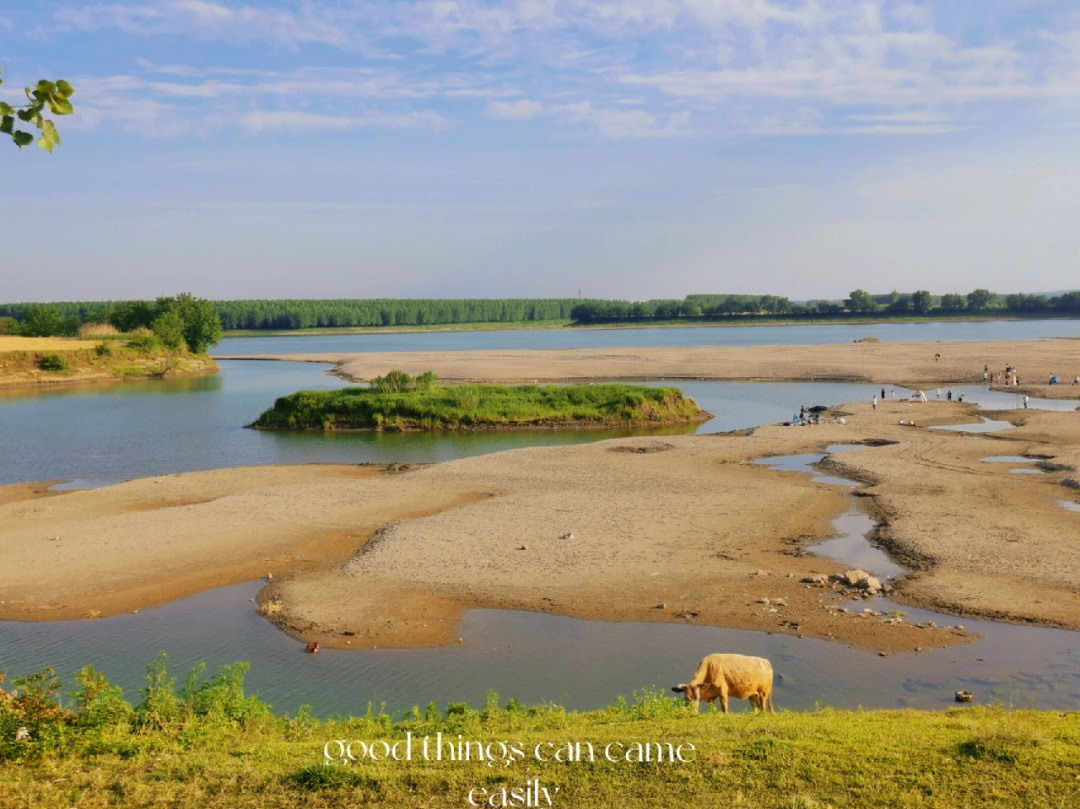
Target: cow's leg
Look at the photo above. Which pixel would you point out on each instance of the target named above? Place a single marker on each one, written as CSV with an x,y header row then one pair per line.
x,y
723,700
755,702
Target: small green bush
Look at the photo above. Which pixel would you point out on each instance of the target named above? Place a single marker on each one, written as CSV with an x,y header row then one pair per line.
x,y
54,362
145,342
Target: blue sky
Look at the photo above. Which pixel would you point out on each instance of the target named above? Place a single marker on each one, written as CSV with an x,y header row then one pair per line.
x,y
649,148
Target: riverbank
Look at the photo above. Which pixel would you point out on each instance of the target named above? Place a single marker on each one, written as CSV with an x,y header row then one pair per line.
x,y
217,748
28,362
912,365
673,528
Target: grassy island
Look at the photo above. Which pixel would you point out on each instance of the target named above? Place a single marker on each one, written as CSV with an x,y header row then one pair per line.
x,y
397,402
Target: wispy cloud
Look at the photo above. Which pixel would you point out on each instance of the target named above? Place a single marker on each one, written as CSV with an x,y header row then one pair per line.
x,y
287,120
778,66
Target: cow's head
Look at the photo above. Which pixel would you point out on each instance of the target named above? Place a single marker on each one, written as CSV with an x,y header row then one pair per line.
x,y
690,691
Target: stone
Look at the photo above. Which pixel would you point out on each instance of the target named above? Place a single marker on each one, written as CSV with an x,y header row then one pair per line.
x,y
870,584
854,577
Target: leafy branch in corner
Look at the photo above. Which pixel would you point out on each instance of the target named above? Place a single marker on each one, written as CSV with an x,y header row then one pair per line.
x,y
55,95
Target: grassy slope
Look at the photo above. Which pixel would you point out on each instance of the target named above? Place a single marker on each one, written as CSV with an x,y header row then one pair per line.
x,y
469,406
959,758
89,365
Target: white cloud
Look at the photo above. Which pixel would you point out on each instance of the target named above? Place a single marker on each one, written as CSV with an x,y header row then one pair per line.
x,y
276,120
522,108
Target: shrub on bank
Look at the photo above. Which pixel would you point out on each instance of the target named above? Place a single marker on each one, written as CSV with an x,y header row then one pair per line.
x,y
55,363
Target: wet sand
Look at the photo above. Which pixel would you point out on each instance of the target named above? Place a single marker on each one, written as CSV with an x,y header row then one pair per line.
x,y
672,528
914,365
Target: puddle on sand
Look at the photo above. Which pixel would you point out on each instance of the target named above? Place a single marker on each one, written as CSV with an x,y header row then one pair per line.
x,y
1070,505
1025,471
851,547
1007,459
985,425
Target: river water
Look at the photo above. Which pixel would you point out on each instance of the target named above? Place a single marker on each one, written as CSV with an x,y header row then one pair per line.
x,y
94,436
652,337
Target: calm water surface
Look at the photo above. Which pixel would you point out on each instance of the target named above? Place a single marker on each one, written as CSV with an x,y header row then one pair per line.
x,y
103,435
647,338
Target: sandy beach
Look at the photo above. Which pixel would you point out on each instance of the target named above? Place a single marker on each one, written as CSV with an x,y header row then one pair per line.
x,y
671,528
914,365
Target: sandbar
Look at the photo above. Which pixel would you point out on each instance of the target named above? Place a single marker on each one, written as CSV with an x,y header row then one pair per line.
x,y
912,365
667,528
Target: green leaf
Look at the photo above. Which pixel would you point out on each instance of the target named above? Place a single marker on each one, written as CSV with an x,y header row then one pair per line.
x,y
48,132
22,138
64,89
45,144
46,87
6,124
59,106
6,109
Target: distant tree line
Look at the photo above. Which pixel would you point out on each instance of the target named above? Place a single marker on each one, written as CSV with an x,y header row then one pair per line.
x,y
306,314
859,304
283,315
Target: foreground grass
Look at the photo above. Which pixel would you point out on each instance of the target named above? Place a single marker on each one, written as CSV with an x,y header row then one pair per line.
x,y
215,748
479,406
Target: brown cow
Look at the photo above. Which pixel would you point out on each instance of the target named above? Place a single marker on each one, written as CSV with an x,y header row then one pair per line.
x,y
725,675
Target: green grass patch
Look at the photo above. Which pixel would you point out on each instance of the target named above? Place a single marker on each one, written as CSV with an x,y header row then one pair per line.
x,y
206,743
438,407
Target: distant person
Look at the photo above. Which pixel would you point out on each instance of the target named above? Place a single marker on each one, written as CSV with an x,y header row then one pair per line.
x,y
875,402
949,397
1076,379
883,394
1025,402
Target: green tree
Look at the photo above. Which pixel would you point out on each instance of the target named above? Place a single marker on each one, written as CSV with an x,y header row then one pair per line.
x,y
54,95
980,300
169,328
951,302
43,321
202,325
922,302
860,301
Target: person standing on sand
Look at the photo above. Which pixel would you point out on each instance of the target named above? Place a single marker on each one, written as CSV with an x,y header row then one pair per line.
x,y
1025,401
883,394
875,401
